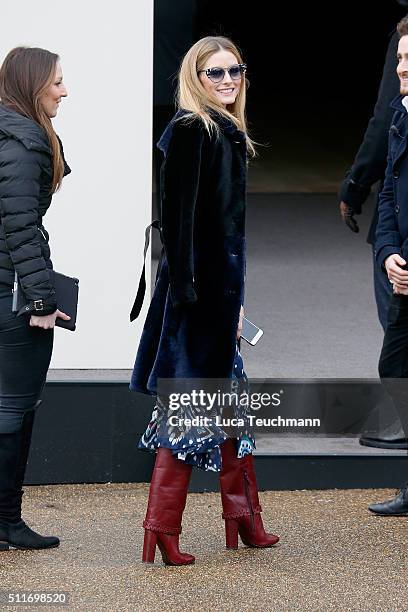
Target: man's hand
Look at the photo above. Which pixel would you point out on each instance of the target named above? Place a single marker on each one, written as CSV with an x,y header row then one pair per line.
x,y
241,318
399,290
397,276
347,215
48,322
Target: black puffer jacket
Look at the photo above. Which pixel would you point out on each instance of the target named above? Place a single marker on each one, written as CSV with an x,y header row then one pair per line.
x,y
25,181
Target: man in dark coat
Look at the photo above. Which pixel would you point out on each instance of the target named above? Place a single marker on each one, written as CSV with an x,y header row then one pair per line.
x,y
391,250
368,168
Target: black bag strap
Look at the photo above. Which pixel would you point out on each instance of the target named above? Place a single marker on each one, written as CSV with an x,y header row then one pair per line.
x,y
138,303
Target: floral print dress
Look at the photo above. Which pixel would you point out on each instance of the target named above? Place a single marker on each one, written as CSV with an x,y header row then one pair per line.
x,y
200,445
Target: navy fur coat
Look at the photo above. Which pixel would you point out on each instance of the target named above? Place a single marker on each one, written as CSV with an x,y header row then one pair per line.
x,y
191,325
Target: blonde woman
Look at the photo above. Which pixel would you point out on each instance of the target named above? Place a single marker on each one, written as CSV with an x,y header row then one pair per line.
x,y
193,325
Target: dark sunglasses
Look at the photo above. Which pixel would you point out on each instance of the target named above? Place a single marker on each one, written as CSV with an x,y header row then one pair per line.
x,y
216,75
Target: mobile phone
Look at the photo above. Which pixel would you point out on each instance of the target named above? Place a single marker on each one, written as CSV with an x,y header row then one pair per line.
x,y
250,332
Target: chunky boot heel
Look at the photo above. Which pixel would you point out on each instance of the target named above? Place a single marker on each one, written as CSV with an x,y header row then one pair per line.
x,y
240,501
4,546
149,546
253,534
231,534
169,548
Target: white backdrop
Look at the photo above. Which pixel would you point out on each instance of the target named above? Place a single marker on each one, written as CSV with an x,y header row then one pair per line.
x,y
97,221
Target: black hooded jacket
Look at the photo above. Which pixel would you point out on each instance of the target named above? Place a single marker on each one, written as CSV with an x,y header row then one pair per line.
x,y
25,196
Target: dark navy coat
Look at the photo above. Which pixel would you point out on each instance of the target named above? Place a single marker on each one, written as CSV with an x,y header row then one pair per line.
x,y
392,229
190,329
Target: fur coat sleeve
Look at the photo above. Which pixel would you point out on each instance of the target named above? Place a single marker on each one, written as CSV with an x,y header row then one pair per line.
x,y
180,185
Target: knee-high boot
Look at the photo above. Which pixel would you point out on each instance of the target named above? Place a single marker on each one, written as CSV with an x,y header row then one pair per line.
x,y
240,501
14,449
167,500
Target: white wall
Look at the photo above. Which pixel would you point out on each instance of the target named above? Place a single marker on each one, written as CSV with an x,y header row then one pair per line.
x,y
97,221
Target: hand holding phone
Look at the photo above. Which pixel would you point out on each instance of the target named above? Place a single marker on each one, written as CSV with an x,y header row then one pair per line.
x,y
250,332
241,318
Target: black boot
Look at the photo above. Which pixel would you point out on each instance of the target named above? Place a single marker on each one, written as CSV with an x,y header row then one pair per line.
x,y
14,448
391,438
394,507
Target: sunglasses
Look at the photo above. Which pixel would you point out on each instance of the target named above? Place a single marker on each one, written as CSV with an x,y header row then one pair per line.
x,y
216,75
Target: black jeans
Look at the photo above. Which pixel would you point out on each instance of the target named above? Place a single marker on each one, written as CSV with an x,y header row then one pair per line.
x,y
25,355
393,365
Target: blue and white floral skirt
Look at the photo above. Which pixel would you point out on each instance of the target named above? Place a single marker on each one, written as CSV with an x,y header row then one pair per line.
x,y
199,445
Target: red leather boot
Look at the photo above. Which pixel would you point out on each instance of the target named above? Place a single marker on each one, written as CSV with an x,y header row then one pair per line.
x,y
240,502
167,500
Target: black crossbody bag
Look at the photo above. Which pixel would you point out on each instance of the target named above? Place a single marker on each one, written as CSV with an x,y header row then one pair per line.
x,y
66,290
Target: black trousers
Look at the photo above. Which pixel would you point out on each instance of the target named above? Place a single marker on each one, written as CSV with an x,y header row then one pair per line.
x,y
393,364
25,355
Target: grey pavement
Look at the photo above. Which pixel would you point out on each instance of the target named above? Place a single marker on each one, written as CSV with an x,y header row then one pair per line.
x,y
333,554
309,286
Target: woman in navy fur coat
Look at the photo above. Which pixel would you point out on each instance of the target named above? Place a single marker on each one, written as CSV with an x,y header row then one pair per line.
x,y
193,324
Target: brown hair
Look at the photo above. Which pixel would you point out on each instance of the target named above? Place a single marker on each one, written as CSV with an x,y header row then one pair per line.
x,y
402,27
25,75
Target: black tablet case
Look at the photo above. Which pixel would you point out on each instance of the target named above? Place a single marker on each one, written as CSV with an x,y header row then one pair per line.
x,y
66,289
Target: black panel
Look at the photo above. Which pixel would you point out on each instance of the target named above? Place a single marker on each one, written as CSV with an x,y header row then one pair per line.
x,y
88,432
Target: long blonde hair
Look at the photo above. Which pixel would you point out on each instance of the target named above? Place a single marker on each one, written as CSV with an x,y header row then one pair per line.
x,y
192,97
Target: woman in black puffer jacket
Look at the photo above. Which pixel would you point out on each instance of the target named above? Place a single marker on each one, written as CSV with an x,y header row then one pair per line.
x,y
31,169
